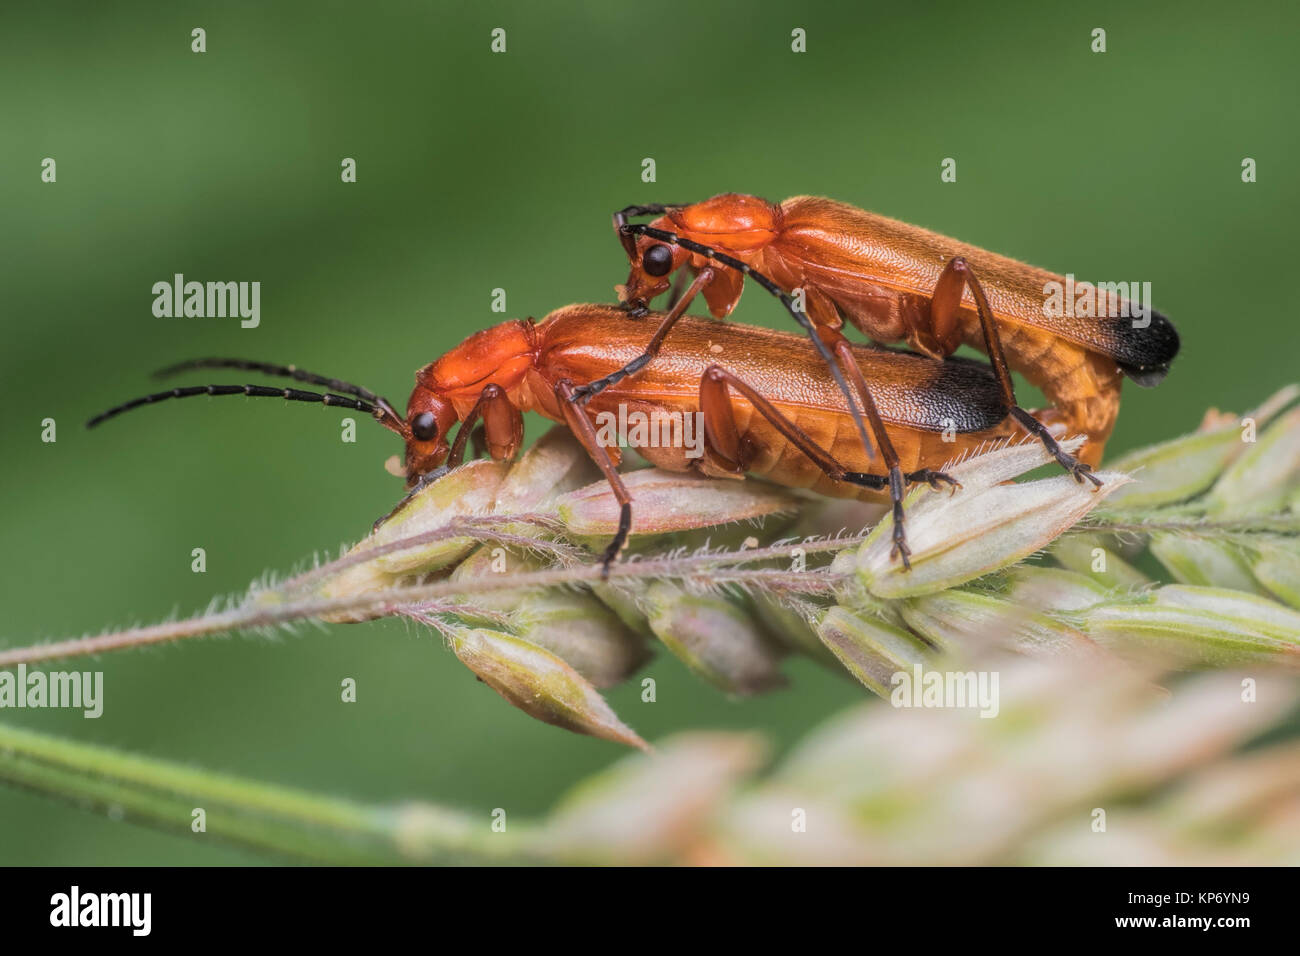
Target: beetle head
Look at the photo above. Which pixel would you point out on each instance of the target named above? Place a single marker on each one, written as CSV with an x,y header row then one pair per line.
x,y
429,419
652,263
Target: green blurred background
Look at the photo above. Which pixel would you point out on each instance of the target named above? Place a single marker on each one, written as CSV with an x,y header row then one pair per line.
x,y
478,171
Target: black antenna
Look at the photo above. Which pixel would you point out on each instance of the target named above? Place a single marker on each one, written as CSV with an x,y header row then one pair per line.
x,y
252,391
270,368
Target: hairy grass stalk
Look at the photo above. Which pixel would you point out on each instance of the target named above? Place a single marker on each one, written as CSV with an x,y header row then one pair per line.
x,y
1188,555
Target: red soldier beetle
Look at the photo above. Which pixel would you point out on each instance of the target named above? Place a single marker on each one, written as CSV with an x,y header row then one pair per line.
x,y
898,282
768,406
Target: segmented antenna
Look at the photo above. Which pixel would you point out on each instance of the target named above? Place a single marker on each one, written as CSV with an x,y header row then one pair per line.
x,y
252,391
270,368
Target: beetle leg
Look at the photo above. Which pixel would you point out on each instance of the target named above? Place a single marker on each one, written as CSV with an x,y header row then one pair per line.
x,y
724,441
502,432
944,307
478,441
423,482
503,427
648,209
585,432
678,288
935,479
584,393
1078,469
844,352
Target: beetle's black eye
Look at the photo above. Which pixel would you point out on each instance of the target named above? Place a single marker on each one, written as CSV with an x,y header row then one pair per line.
x,y
657,261
424,427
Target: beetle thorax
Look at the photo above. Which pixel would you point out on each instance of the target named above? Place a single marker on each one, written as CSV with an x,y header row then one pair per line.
x,y
733,222
501,355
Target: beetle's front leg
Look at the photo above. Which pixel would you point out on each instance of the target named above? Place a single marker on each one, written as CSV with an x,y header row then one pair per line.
x,y
502,432
678,289
584,393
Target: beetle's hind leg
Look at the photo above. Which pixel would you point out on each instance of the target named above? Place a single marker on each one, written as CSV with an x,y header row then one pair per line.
x,y
1080,470
727,447
945,304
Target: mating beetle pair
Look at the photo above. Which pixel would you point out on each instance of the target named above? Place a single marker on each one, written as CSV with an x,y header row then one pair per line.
x,y
843,419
